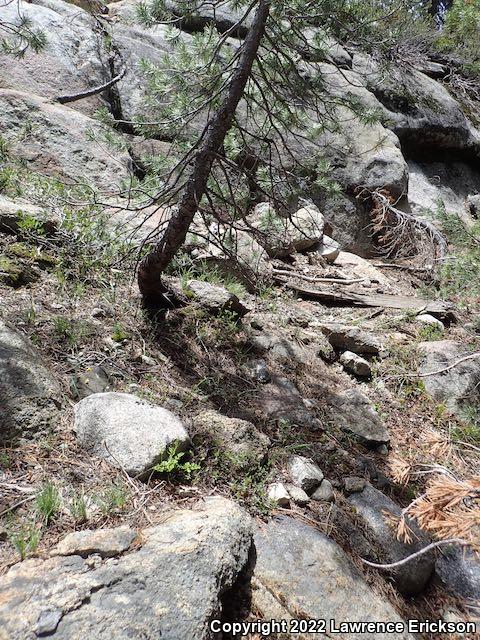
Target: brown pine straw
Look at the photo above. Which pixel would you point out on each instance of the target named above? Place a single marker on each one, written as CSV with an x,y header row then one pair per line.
x,y
449,509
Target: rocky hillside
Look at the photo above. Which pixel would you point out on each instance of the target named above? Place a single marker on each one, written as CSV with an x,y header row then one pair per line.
x,y
247,453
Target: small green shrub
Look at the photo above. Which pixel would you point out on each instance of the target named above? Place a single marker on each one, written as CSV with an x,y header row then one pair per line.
x,y
78,507
25,539
119,334
47,502
74,332
114,499
470,430
5,460
458,274
174,466
201,270
430,332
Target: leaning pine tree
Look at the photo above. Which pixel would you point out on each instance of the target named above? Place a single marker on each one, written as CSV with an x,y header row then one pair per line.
x,y
246,107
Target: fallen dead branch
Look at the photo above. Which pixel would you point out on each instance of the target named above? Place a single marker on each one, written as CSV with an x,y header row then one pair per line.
x,y
439,371
73,97
429,547
301,276
437,308
451,366
402,267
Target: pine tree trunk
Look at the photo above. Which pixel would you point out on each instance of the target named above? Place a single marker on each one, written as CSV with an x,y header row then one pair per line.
x,y
153,265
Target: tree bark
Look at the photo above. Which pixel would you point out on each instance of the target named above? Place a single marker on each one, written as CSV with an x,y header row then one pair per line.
x,y
152,266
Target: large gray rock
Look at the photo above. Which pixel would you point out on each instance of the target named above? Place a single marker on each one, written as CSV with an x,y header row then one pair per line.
x,y
126,431
300,570
459,571
422,111
473,205
29,395
199,14
374,507
65,143
352,339
353,412
13,211
282,236
244,443
170,588
74,59
459,386
448,183
135,44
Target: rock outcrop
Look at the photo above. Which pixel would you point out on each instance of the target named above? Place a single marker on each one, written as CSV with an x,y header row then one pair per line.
x,y
62,143
74,59
170,587
455,385
298,569
29,395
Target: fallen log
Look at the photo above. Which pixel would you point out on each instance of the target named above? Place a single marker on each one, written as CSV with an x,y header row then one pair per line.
x,y
437,308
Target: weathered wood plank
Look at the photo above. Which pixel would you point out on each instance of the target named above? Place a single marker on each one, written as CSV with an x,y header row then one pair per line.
x,y
334,295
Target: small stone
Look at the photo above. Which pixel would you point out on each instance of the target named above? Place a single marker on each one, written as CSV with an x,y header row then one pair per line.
x,y
92,380
47,622
353,484
324,493
277,493
104,542
382,450
355,364
98,312
148,360
305,473
258,370
297,495
426,318
328,249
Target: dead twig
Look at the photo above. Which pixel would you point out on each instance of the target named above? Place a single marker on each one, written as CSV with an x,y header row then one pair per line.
x,y
91,92
16,505
429,547
294,274
451,366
